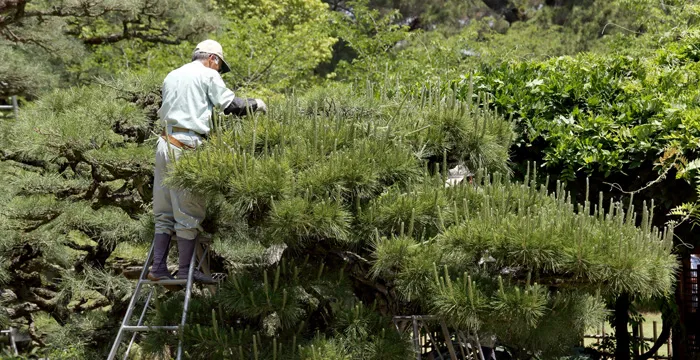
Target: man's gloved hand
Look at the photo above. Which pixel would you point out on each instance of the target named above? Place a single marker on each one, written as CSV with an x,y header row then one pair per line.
x,y
240,106
262,107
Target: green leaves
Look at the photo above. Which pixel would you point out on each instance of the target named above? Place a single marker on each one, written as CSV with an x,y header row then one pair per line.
x,y
370,34
594,112
276,44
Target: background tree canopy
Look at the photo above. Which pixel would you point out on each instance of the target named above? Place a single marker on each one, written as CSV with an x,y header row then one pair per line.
x,y
330,213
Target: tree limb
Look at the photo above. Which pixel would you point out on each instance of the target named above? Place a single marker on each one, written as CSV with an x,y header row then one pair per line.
x,y
18,158
113,38
7,6
79,247
667,324
21,310
140,30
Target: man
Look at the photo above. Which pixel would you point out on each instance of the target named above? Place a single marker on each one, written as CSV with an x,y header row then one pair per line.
x,y
190,94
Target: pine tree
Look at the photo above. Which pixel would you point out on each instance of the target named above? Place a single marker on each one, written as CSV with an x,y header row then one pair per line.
x,y
45,43
329,215
351,187
77,173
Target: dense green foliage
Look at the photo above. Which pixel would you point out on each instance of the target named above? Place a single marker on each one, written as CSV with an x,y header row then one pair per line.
x,y
330,214
602,113
596,113
77,176
76,40
312,184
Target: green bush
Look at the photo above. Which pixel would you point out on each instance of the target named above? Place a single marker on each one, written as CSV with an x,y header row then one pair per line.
x,y
597,113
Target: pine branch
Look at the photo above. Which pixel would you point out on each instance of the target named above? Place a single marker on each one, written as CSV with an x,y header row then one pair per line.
x,y
27,163
16,9
80,247
65,11
113,38
127,200
85,305
21,310
139,27
35,223
359,270
10,35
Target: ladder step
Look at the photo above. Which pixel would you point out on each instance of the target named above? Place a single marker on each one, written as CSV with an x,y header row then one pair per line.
x,y
165,282
150,328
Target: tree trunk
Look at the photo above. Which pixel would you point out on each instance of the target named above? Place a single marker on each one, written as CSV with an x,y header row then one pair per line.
x,y
679,347
506,8
622,336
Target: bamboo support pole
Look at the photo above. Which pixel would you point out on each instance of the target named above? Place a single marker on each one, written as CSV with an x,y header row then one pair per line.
x,y
448,340
635,336
656,336
432,341
642,340
416,338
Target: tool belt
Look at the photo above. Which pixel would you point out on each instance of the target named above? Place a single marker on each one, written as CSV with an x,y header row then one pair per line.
x,y
175,142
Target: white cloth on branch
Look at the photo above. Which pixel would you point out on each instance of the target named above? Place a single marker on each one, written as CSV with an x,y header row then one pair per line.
x,y
457,174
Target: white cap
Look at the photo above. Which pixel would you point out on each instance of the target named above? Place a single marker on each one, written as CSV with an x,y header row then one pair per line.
x,y
213,47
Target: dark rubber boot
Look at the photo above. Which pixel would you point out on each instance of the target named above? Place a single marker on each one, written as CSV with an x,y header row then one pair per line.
x,y
159,268
185,249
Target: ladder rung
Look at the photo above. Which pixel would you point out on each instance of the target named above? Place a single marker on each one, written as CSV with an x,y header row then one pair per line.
x,y
150,328
165,282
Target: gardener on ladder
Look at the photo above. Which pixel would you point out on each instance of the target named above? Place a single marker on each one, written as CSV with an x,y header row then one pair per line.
x,y
190,94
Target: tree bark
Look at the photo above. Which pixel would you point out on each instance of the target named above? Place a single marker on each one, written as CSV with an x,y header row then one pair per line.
x,y
622,336
506,8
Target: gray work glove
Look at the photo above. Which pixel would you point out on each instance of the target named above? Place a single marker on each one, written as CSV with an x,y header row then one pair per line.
x,y
240,106
261,106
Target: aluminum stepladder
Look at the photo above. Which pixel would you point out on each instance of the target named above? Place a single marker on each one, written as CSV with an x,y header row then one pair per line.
x,y
10,333
14,107
199,261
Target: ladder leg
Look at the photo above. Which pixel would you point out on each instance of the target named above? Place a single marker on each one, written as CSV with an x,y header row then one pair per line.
x,y
143,314
132,304
188,294
15,107
202,252
203,264
12,341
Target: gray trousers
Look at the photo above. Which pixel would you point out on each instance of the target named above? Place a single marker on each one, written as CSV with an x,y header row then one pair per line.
x,y
176,211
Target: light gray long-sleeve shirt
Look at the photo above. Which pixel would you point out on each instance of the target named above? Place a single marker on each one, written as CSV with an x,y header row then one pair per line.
x,y
190,94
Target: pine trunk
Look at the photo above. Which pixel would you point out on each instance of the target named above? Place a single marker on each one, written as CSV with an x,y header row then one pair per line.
x,y
622,336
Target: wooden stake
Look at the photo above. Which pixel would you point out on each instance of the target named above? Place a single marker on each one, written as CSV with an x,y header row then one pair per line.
x,y
656,336
635,335
416,339
448,340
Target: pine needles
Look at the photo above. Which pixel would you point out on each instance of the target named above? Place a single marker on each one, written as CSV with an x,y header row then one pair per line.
x,y
334,201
